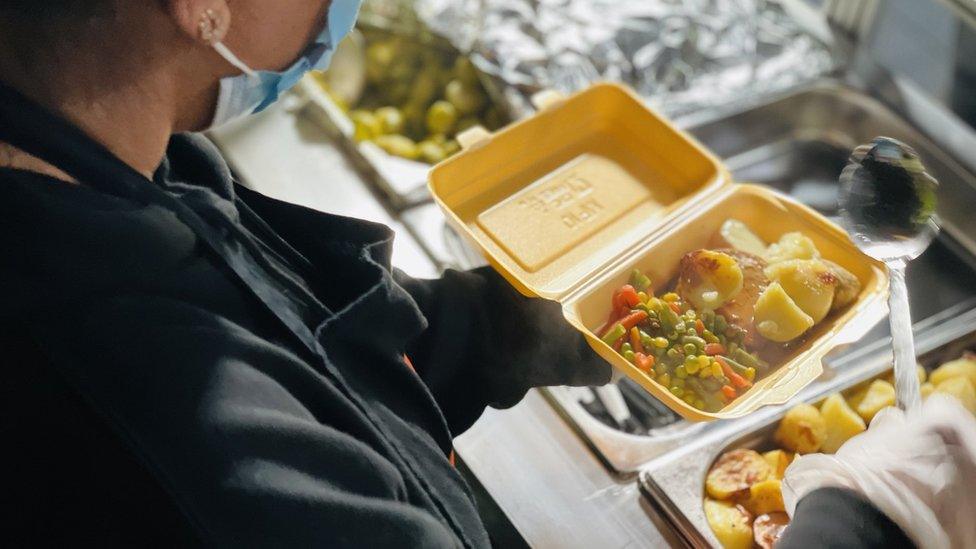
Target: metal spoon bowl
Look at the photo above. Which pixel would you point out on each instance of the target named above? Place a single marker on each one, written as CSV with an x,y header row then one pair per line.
x,y
888,205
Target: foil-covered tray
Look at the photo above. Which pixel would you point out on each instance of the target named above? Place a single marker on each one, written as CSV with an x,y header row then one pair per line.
x,y
680,55
676,486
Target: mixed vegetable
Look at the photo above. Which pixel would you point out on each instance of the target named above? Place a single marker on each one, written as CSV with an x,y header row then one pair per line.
x,y
703,340
743,502
700,357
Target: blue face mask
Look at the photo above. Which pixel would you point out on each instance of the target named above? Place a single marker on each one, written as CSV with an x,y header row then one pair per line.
x,y
254,91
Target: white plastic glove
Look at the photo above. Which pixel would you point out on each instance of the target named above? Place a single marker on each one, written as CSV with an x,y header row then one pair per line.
x,y
918,469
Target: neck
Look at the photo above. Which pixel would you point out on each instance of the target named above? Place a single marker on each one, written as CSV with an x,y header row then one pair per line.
x,y
131,110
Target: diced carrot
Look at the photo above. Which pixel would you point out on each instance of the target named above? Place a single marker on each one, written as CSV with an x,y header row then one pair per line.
x,y
635,340
737,380
699,326
729,392
644,362
712,349
633,319
627,295
675,307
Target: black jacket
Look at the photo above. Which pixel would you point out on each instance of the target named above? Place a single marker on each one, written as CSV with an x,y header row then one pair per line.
x,y
177,370
188,362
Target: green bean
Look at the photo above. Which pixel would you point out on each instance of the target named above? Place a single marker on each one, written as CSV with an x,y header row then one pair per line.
x,y
720,324
745,358
618,331
693,340
736,366
709,337
640,281
673,353
697,388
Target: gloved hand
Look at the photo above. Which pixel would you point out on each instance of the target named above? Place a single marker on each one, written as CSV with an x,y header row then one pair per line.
x,y
488,345
919,469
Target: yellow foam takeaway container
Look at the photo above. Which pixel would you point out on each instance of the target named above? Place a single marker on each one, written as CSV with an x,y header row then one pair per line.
x,y
566,203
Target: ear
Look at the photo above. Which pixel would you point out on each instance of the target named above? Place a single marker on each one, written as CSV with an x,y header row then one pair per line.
x,y
203,21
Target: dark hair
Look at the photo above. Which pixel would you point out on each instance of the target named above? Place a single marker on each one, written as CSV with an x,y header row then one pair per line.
x,y
54,9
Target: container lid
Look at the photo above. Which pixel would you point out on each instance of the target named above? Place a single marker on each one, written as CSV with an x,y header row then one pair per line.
x,y
556,197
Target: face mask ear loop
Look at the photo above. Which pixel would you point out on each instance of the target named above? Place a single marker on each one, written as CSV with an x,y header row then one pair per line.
x,y
233,59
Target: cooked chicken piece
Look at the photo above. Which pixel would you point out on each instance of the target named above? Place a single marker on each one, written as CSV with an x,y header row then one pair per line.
x,y
741,309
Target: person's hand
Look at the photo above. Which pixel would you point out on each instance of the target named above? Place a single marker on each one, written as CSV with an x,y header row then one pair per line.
x,y
919,469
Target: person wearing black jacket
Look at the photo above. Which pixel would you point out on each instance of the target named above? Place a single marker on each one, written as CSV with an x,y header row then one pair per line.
x,y
187,362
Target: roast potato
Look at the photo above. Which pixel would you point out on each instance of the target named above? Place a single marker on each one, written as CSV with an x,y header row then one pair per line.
x,y
778,318
778,461
808,282
708,278
767,529
802,429
962,367
730,523
738,236
791,246
880,394
962,389
735,472
842,423
765,497
847,288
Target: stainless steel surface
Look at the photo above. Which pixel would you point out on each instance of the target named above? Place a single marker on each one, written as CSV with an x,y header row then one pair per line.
x,y
677,485
797,144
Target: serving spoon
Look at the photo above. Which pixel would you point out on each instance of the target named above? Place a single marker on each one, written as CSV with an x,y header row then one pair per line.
x,y
888,206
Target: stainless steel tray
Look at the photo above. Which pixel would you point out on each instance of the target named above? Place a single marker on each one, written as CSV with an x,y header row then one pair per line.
x,y
798,143
677,485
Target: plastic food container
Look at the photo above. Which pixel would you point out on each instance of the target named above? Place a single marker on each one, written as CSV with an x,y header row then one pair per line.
x,y
566,203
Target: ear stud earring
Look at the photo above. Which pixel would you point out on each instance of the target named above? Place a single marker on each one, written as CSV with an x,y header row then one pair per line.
x,y
210,29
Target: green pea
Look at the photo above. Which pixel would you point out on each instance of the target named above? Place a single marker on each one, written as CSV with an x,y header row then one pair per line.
x,y
678,382
673,353
694,340
690,348
680,371
677,391
680,326
691,365
626,347
630,356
